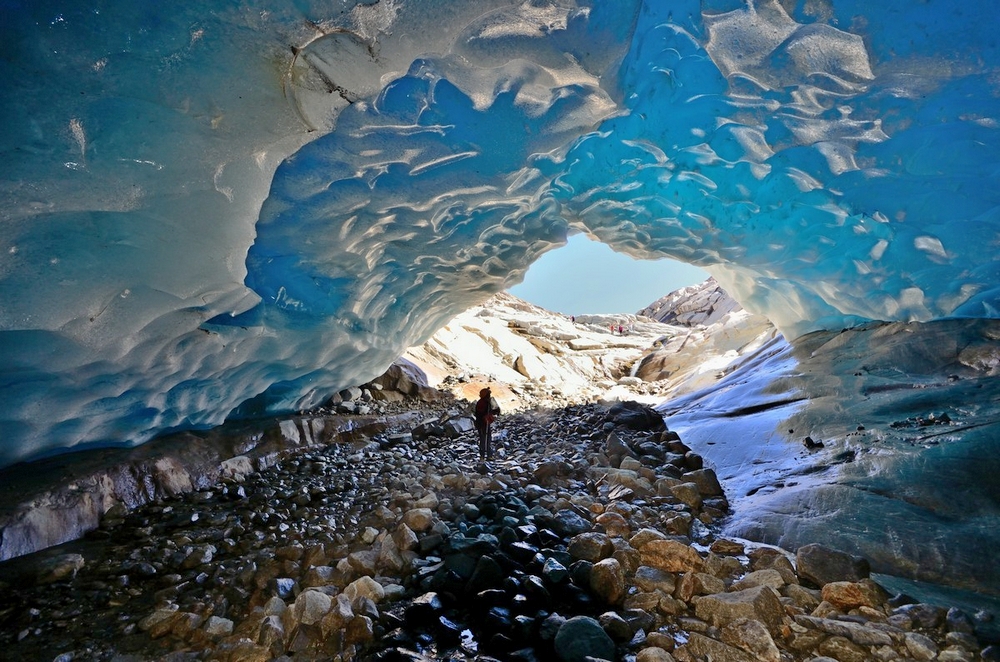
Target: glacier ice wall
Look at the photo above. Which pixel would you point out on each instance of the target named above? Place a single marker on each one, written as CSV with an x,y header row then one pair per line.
x,y
224,209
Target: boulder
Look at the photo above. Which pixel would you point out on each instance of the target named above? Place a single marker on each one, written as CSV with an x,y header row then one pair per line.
x,y
582,637
311,606
671,556
700,647
760,603
822,565
752,637
607,581
846,596
706,480
653,579
591,547
636,416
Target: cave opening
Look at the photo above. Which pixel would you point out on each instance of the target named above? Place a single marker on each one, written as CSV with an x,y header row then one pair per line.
x,y
589,277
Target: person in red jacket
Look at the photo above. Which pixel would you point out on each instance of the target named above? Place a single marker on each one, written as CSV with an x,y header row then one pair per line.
x,y
487,410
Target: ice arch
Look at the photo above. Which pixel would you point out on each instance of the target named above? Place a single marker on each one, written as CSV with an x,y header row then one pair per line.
x,y
208,210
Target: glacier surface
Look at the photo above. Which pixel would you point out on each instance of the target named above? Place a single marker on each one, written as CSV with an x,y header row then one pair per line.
x,y
210,210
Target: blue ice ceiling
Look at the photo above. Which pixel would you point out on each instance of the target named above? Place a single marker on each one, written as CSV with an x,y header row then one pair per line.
x,y
210,209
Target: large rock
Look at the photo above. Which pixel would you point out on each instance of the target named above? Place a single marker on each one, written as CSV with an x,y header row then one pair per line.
x,y
581,637
846,596
700,647
752,637
760,603
822,565
310,607
591,547
654,579
671,556
636,416
706,480
607,581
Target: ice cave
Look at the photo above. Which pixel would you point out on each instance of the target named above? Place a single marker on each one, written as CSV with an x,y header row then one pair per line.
x,y
221,210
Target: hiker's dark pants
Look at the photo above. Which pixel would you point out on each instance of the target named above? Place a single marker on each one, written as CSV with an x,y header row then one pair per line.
x,y
485,441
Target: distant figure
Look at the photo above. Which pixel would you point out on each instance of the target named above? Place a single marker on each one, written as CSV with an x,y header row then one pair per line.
x,y
620,330
572,318
487,410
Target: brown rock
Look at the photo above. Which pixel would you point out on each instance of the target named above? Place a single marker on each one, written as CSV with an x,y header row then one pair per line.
x,y
849,595
614,525
767,577
591,547
723,567
752,637
64,566
654,654
700,647
760,603
405,538
727,547
803,597
645,601
359,631
671,556
706,480
608,581
645,535
698,583
688,494
418,519
843,650
272,634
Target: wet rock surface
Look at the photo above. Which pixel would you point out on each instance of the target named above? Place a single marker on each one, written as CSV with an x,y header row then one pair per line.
x,y
588,536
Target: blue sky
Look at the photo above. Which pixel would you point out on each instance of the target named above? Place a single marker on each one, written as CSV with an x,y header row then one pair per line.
x,y
586,276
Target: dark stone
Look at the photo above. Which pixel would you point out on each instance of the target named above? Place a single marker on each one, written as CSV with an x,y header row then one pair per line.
x,y
500,643
924,615
549,627
990,653
463,565
424,610
567,523
548,538
555,572
523,655
579,573
490,598
616,626
581,637
639,619
636,416
497,619
448,631
958,621
693,461
822,565
521,551
523,627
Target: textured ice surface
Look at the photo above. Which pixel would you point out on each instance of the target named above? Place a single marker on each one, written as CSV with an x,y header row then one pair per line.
x,y
907,416
210,210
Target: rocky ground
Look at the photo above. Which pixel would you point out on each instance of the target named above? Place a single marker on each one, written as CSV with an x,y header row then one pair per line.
x,y
589,536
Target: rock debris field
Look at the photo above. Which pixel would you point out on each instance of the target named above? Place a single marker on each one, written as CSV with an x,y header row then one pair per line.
x,y
588,537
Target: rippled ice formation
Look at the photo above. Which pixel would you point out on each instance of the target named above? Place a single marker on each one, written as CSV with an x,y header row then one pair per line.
x,y
220,210
903,466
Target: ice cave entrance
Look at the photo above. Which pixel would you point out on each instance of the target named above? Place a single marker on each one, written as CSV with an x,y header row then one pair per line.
x,y
588,277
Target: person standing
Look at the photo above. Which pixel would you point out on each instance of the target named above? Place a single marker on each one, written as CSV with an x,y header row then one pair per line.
x,y
487,410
